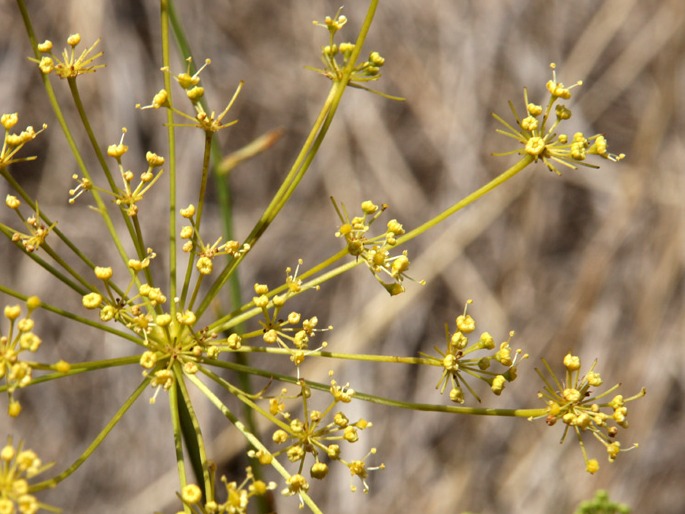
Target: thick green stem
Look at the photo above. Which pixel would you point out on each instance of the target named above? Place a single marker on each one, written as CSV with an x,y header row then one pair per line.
x,y
178,439
192,434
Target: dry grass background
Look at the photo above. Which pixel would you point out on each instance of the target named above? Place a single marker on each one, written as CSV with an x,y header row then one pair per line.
x,y
591,262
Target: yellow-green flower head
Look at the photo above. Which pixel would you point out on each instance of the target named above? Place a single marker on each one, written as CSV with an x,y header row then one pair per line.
x,y
535,146
498,384
13,143
17,467
69,66
296,484
538,133
466,324
188,212
572,362
195,93
204,265
12,312
458,363
117,150
319,470
580,408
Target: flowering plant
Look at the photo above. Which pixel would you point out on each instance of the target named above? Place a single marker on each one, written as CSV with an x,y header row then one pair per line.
x,y
162,300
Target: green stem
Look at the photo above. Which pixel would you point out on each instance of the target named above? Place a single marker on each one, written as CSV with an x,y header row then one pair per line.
x,y
96,442
171,136
388,359
137,238
91,135
178,439
225,206
76,369
246,399
203,181
196,290
9,232
468,200
192,434
453,409
247,311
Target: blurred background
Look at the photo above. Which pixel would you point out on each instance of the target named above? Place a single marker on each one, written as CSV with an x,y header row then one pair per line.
x,y
591,262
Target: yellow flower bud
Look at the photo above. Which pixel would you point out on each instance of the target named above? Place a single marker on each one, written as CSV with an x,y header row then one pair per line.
x,y
592,466
117,151
154,160
9,120
191,494
45,46
103,273
32,302
572,362
12,312
319,470
74,39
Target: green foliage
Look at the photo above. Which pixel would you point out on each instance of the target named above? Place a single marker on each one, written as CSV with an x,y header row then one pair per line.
x,y
601,504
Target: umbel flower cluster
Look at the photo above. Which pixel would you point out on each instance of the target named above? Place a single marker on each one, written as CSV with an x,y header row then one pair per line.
x,y
17,466
538,135
457,362
182,337
572,401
